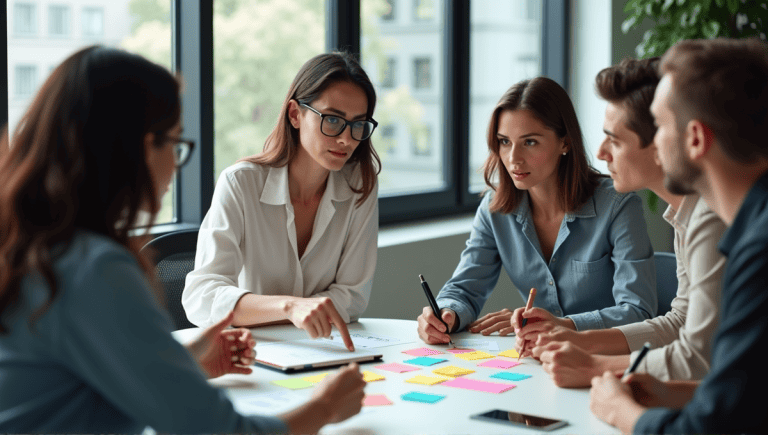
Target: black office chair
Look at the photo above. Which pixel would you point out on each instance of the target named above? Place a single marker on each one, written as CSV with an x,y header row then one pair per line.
x,y
175,258
666,280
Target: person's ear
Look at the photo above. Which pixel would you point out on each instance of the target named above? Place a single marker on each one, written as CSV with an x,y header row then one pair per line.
x,y
151,151
699,138
565,146
293,113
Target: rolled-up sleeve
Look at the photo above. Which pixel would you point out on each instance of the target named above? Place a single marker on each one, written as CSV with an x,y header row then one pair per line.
x,y
634,278
211,290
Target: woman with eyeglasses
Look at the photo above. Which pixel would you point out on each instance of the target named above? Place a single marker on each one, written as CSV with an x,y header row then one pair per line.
x,y
553,223
291,235
85,346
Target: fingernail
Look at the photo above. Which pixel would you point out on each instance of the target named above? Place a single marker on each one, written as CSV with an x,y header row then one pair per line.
x,y
517,330
235,358
245,361
233,348
231,337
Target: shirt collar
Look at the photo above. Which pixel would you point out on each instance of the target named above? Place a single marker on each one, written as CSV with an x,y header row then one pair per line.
x,y
679,218
276,190
523,209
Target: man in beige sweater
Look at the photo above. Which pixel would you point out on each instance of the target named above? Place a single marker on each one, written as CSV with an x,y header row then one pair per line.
x,y
681,339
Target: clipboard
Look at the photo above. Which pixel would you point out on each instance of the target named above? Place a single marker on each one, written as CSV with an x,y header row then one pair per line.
x,y
301,355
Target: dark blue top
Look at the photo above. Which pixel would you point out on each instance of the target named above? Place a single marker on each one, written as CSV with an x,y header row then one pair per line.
x,y
731,398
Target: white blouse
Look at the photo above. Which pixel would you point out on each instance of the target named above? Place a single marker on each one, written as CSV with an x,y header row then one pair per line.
x,y
247,243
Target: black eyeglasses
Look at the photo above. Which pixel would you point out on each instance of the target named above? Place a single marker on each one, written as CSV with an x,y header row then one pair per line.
x,y
182,150
332,125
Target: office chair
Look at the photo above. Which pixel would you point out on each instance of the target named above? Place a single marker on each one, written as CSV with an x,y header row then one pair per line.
x,y
666,280
175,257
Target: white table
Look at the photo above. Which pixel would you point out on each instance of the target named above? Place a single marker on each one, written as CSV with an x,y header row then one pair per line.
x,y
537,395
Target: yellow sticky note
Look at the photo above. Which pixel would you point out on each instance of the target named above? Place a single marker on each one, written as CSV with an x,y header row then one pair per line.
x,y
316,378
371,376
452,371
427,380
470,356
511,353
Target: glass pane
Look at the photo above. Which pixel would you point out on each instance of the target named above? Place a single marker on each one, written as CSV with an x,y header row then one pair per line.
x,y
42,35
402,52
259,46
505,47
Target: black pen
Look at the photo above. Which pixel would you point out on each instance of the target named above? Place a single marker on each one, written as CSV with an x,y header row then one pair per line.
x,y
633,367
433,304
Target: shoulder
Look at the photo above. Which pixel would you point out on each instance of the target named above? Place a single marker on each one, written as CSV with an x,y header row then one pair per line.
x,y
607,198
244,171
703,217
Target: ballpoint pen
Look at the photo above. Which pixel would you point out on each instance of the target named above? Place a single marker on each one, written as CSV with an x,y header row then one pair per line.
x,y
636,363
435,308
528,306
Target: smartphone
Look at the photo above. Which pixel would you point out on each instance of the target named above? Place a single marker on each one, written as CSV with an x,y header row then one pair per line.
x,y
519,419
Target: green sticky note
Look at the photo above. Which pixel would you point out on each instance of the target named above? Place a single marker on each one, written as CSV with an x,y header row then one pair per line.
x,y
293,383
415,396
511,376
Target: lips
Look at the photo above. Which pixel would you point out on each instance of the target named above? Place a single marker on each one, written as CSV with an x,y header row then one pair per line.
x,y
519,175
339,154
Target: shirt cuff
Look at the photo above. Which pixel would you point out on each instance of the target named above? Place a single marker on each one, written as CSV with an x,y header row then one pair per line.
x,y
463,314
588,320
637,334
225,302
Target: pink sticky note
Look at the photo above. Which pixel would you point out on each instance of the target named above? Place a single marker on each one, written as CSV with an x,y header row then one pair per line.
x,y
470,384
499,364
455,351
422,351
396,367
376,400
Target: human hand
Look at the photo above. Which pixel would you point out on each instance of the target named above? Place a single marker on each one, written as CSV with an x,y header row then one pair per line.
x,y
539,321
568,365
649,391
341,394
317,316
220,351
611,400
492,322
431,329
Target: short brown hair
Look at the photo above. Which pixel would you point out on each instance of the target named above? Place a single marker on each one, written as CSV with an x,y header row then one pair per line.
x,y
723,83
631,84
549,102
313,78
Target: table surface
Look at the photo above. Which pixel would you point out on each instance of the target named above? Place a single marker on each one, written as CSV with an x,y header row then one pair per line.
x,y
537,395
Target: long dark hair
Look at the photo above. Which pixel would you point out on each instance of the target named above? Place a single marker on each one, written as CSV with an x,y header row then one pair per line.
x,y
77,162
549,102
312,79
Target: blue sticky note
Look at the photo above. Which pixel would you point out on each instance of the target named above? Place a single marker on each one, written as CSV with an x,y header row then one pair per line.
x,y
511,376
425,361
415,396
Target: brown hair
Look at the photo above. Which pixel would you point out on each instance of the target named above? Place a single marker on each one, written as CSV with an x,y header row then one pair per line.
x,y
723,83
312,79
77,162
549,102
631,84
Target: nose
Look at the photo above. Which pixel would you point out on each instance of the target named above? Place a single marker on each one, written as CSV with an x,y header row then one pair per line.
x,y
515,154
602,152
345,137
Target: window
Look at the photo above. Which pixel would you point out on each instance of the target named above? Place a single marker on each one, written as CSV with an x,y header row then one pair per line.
x,y
389,12
58,20
93,22
386,145
26,80
388,73
424,10
422,141
24,19
422,73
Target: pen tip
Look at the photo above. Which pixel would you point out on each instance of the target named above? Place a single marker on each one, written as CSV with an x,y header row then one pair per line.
x,y
421,277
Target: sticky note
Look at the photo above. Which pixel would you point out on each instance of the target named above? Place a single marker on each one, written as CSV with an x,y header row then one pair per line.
x,y
471,384
293,383
511,353
456,351
422,351
499,364
511,376
376,400
427,380
452,371
470,356
424,361
371,376
396,367
415,396
316,378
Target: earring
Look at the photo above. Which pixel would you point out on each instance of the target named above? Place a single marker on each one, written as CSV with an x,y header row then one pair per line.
x,y
565,153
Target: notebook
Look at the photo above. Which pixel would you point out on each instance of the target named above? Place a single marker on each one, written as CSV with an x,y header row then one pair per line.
x,y
298,355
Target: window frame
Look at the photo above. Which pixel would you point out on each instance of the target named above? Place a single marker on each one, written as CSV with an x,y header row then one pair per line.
x,y
192,39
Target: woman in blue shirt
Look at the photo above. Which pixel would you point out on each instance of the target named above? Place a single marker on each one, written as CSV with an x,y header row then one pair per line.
x,y
84,345
553,223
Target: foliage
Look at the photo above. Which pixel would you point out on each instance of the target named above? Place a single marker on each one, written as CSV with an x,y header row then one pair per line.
x,y
675,20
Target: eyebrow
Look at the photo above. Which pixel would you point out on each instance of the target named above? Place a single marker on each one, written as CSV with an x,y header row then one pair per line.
x,y
611,134
522,136
343,114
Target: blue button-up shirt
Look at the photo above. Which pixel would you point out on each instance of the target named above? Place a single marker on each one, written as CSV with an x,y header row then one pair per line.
x,y
601,273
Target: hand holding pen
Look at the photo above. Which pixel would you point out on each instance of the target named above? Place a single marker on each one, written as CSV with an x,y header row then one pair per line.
x,y
528,306
425,324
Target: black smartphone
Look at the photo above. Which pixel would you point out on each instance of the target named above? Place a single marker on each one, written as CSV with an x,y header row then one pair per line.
x,y
520,419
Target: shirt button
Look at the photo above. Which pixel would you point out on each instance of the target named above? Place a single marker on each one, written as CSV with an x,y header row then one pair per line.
x,y
551,282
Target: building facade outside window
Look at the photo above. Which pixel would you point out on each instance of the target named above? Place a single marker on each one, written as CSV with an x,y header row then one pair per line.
x,y
422,73
24,19
58,20
26,80
388,73
93,22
